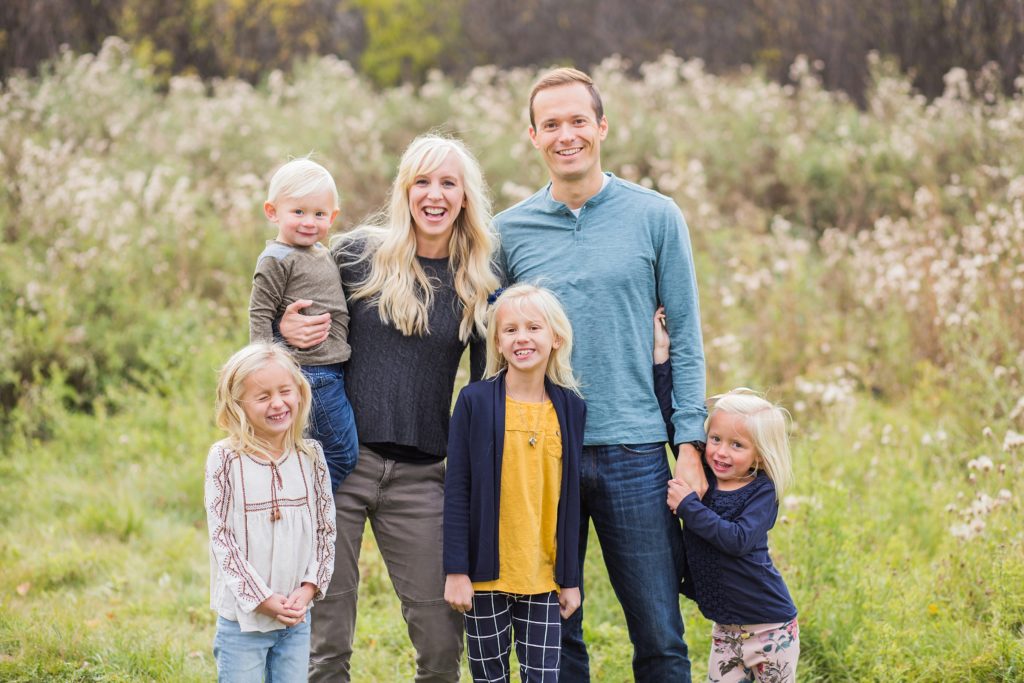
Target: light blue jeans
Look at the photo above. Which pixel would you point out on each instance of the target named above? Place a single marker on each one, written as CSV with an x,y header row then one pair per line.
x,y
622,490
280,656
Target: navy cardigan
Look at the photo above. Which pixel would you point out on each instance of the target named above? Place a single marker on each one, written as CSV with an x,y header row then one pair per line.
x,y
472,488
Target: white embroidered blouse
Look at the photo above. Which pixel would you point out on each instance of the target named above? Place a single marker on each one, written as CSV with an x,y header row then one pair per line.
x,y
272,527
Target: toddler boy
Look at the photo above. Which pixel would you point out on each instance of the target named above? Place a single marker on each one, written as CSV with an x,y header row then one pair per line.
x,y
303,202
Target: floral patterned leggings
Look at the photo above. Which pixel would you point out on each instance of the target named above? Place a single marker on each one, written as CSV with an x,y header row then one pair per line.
x,y
754,653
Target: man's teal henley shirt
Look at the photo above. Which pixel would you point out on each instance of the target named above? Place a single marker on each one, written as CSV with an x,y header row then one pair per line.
x,y
626,252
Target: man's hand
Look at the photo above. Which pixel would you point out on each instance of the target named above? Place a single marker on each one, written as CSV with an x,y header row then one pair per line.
x,y
304,331
689,468
568,601
458,592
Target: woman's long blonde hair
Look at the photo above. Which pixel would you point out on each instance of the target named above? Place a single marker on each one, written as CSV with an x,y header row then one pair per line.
x,y
767,424
559,368
397,284
231,385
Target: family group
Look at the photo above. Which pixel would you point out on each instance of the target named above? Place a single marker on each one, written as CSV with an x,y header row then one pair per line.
x,y
579,307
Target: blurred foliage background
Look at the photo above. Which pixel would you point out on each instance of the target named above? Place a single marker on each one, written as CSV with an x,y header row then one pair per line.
x,y
393,41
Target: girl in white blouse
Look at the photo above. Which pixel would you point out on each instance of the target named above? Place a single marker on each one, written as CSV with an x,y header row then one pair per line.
x,y
271,517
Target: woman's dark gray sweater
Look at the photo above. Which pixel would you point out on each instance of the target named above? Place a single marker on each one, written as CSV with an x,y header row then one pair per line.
x,y
401,387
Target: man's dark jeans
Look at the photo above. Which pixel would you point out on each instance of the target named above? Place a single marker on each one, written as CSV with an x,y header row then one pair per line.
x,y
623,490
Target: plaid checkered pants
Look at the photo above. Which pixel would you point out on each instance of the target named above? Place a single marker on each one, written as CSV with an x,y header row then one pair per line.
x,y
490,626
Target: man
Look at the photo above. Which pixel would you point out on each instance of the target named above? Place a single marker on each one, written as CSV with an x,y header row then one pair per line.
x,y
612,250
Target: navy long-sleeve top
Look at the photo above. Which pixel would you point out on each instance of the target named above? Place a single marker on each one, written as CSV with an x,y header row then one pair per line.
x,y
729,571
472,489
726,540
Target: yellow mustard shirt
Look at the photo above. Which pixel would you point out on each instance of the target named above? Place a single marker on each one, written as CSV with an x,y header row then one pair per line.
x,y
531,482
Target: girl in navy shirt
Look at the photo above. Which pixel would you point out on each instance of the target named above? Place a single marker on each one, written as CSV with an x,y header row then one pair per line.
x,y
728,569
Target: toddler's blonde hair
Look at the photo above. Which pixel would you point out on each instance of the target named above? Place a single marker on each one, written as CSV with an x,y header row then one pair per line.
x,y
767,424
231,385
559,367
300,178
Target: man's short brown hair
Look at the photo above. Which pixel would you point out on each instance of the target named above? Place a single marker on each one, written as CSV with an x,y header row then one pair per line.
x,y
566,76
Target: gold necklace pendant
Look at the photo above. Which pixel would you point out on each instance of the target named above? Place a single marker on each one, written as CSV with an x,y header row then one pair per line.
x,y
535,429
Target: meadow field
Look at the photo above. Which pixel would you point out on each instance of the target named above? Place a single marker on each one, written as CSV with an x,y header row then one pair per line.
x,y
864,266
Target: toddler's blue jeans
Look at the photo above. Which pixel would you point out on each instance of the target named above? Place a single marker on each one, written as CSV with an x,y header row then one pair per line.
x,y
331,421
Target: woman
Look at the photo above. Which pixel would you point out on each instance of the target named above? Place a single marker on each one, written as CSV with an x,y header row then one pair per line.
x,y
417,281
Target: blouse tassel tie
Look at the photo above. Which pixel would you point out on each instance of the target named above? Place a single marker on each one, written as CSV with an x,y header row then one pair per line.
x,y
276,483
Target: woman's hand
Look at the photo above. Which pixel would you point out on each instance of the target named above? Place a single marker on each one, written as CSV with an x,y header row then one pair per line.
x,y
568,601
677,490
458,592
304,331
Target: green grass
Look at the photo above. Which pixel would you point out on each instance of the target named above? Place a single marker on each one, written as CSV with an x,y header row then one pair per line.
x,y
104,565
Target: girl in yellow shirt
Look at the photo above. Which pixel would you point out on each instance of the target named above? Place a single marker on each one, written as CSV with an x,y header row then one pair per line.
x,y
511,515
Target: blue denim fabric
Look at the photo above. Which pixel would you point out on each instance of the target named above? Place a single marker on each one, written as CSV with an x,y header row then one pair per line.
x,y
623,491
282,656
331,421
